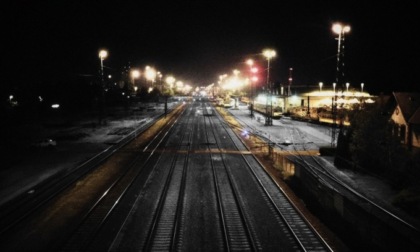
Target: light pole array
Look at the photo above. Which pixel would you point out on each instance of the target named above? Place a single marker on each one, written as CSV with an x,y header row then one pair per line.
x,y
269,54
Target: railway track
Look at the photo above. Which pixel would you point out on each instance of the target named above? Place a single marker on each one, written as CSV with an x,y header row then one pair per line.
x,y
313,164
89,217
326,176
295,225
97,216
301,151
205,197
194,186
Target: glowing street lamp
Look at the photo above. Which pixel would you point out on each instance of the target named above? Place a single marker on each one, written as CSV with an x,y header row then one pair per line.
x,y
170,81
341,31
103,54
320,86
159,75
253,70
347,86
334,84
150,74
179,84
135,74
361,86
269,54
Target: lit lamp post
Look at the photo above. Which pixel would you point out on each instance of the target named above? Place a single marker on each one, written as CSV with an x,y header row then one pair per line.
x,y
150,74
334,84
102,55
361,86
341,31
320,86
170,82
250,63
159,75
135,74
347,87
268,54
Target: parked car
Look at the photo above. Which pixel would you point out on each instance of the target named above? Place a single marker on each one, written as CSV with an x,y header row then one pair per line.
x,y
45,143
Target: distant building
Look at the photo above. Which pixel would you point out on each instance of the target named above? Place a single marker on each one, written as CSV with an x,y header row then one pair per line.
x,y
317,97
406,116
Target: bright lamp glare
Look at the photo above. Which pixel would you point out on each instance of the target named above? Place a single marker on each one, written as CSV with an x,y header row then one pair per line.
x,y
103,54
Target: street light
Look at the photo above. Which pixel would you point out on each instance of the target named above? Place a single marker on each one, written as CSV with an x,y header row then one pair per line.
x,y
361,86
159,75
320,86
268,54
334,84
102,55
150,74
135,74
252,69
341,31
290,81
170,81
347,87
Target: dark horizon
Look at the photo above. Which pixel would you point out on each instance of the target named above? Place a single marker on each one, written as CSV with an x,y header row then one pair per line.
x,y
198,41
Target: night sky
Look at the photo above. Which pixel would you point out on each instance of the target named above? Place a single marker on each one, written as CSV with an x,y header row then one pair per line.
x,y
196,41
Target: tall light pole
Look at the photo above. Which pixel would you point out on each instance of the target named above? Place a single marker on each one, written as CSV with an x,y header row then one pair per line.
x,y
290,81
102,56
150,74
134,75
159,75
340,30
250,63
170,80
269,54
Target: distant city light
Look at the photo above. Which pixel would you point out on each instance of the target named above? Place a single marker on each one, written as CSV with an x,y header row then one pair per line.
x,y
55,106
